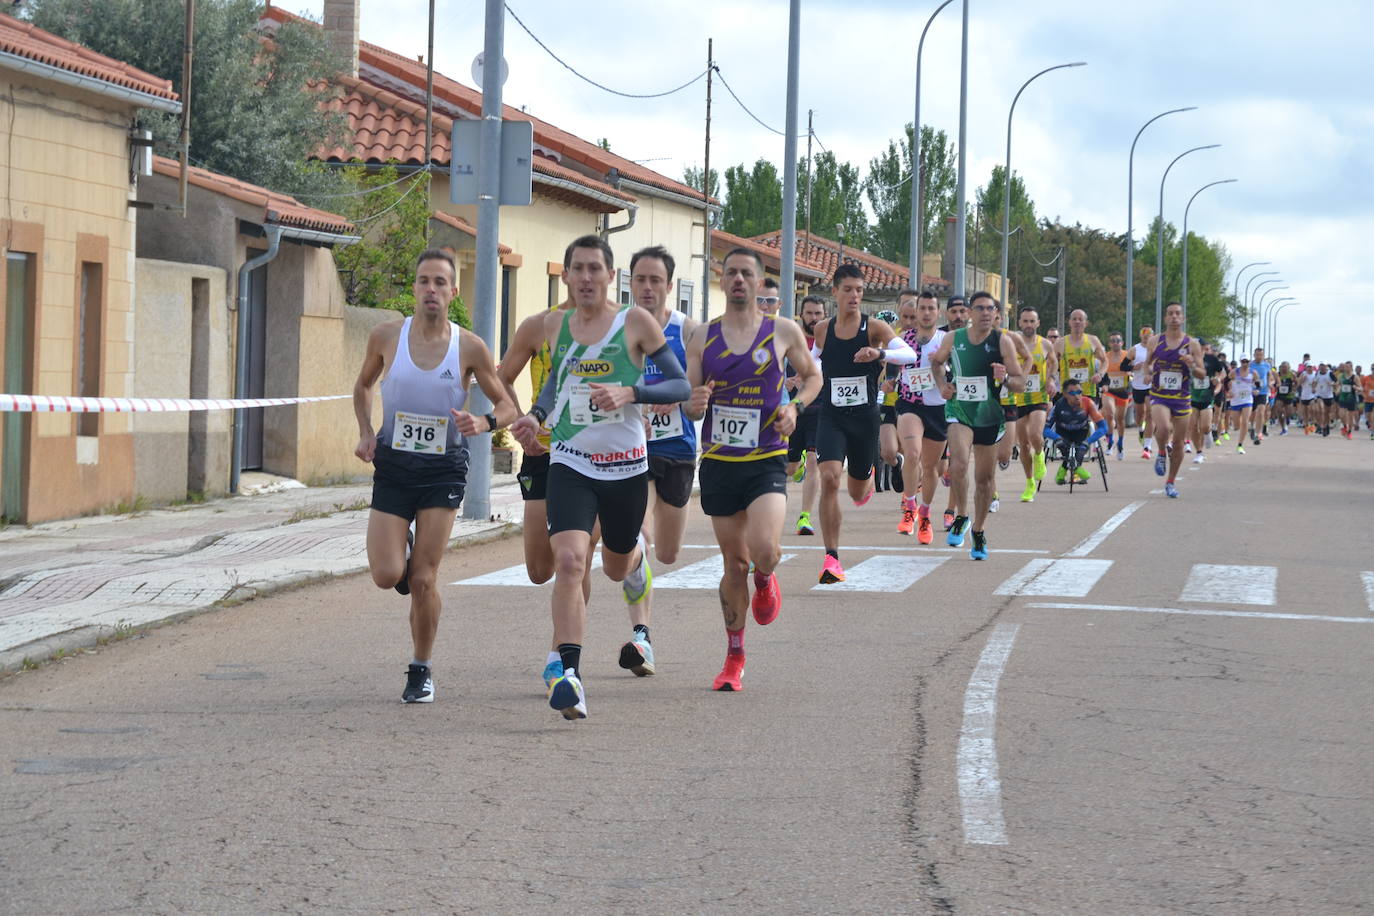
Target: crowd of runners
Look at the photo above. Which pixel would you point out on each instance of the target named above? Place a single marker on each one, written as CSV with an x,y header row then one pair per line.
x,y
922,400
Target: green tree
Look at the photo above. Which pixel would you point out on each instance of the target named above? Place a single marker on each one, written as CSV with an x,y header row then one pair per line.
x,y
836,200
255,111
691,176
888,187
753,199
393,217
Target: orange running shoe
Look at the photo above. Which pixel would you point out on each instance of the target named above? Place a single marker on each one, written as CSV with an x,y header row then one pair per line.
x,y
831,571
926,532
908,522
729,678
767,602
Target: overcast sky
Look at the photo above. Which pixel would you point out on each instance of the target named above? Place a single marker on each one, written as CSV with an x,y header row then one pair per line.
x,y
1285,88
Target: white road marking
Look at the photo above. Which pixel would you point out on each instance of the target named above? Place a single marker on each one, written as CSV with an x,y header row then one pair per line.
x,y
1199,612
1231,584
980,785
703,574
1070,578
1368,589
1090,543
884,574
883,549
512,575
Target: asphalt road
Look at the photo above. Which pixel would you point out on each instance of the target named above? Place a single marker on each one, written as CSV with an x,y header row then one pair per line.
x,y
1089,722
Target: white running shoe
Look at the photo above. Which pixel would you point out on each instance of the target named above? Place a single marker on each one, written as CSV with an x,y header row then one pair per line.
x,y
1199,458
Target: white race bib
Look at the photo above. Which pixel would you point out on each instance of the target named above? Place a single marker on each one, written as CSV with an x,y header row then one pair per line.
x,y
737,427
416,432
1283,389
849,392
1201,383
665,426
1116,380
1079,374
1170,381
584,413
918,378
1346,389
971,387
1033,384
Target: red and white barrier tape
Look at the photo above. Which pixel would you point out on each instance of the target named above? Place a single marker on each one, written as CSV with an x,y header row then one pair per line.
x,y
42,403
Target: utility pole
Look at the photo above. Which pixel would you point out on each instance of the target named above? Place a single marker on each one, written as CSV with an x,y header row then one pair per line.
x,y
1063,271
429,107
961,193
810,132
706,195
477,504
788,240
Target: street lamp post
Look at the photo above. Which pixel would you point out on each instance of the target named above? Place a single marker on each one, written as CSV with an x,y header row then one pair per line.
x,y
1130,220
1159,244
1258,339
917,210
1256,296
1235,294
1274,326
1267,319
1006,175
1185,238
1244,303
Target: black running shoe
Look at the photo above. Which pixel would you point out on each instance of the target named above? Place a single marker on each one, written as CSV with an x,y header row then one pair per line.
x,y
419,685
403,587
898,483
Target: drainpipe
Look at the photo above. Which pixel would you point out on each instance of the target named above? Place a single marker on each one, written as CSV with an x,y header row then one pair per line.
x,y
613,179
241,351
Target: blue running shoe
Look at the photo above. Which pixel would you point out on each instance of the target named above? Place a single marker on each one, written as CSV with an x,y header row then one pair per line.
x,y
957,531
1170,490
566,696
980,546
1161,465
552,672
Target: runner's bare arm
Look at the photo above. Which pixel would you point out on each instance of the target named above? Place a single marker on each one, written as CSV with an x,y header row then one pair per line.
x,y
799,355
477,359
938,359
701,389
646,340
529,337
1011,357
374,361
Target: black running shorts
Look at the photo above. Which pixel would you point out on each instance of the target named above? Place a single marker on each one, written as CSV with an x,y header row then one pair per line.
x,y
575,502
851,435
533,477
672,479
803,438
394,499
984,435
728,487
933,423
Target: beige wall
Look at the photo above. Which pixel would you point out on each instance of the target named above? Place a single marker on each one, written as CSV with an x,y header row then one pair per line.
x,y
67,160
181,331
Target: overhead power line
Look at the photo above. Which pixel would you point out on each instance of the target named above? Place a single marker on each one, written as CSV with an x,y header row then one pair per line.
x,y
724,82
586,79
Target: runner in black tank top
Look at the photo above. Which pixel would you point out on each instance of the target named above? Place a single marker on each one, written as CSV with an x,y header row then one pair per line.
x,y
848,425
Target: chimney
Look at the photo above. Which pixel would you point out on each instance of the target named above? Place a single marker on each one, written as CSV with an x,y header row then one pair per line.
x,y
341,28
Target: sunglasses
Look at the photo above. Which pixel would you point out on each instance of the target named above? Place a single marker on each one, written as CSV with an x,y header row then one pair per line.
x,y
766,300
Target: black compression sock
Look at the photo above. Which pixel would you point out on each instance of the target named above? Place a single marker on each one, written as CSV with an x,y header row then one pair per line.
x,y
571,654
832,553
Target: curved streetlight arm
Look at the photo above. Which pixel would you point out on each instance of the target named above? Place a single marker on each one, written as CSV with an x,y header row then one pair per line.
x,y
1258,298
1006,175
1264,311
1159,244
917,205
1184,297
1130,219
1274,325
1244,303
1235,292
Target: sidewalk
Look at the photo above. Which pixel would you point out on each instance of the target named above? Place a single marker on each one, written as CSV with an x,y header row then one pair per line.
x,y
71,584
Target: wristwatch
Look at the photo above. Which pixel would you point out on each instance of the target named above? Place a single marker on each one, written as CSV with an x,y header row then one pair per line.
x,y
491,422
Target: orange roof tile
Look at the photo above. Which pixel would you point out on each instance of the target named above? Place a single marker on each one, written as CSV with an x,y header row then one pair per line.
x,y
723,241
23,39
879,273
385,127
277,208
463,226
584,152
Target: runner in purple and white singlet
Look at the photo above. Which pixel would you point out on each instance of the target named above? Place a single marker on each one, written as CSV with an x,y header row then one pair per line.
x,y
1174,357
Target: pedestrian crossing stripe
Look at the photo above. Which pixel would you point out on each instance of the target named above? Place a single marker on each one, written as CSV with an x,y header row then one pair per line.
x,y
884,574
703,574
1368,578
1214,584
1066,578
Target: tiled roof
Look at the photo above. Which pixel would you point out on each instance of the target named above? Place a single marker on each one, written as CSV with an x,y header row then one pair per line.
x,y
385,126
588,154
463,226
724,241
23,39
879,274
277,208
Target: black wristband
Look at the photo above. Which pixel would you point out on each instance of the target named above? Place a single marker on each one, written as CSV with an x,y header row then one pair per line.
x,y
538,413
491,421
